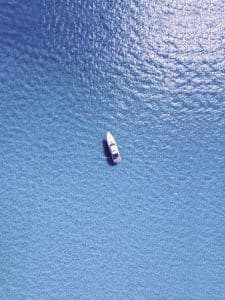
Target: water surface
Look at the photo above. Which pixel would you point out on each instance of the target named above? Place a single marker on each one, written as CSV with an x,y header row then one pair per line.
x,y
74,227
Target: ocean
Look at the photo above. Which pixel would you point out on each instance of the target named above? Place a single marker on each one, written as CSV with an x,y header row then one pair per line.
x,y
72,226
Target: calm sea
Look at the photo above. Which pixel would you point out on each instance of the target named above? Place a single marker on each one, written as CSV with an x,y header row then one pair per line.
x,y
72,226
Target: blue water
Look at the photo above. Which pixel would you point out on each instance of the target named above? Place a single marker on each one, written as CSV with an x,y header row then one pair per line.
x,y
71,225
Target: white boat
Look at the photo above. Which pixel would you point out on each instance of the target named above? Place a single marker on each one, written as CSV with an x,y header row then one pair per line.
x,y
113,148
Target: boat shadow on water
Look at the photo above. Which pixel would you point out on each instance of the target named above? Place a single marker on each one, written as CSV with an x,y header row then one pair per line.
x,y
107,153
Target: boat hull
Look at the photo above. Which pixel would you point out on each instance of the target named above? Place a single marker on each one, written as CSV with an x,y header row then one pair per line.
x,y
113,148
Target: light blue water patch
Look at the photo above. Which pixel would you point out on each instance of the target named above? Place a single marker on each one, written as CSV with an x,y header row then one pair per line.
x,y
73,226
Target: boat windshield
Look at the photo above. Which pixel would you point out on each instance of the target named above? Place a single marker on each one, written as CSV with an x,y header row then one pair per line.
x,y
116,155
112,144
